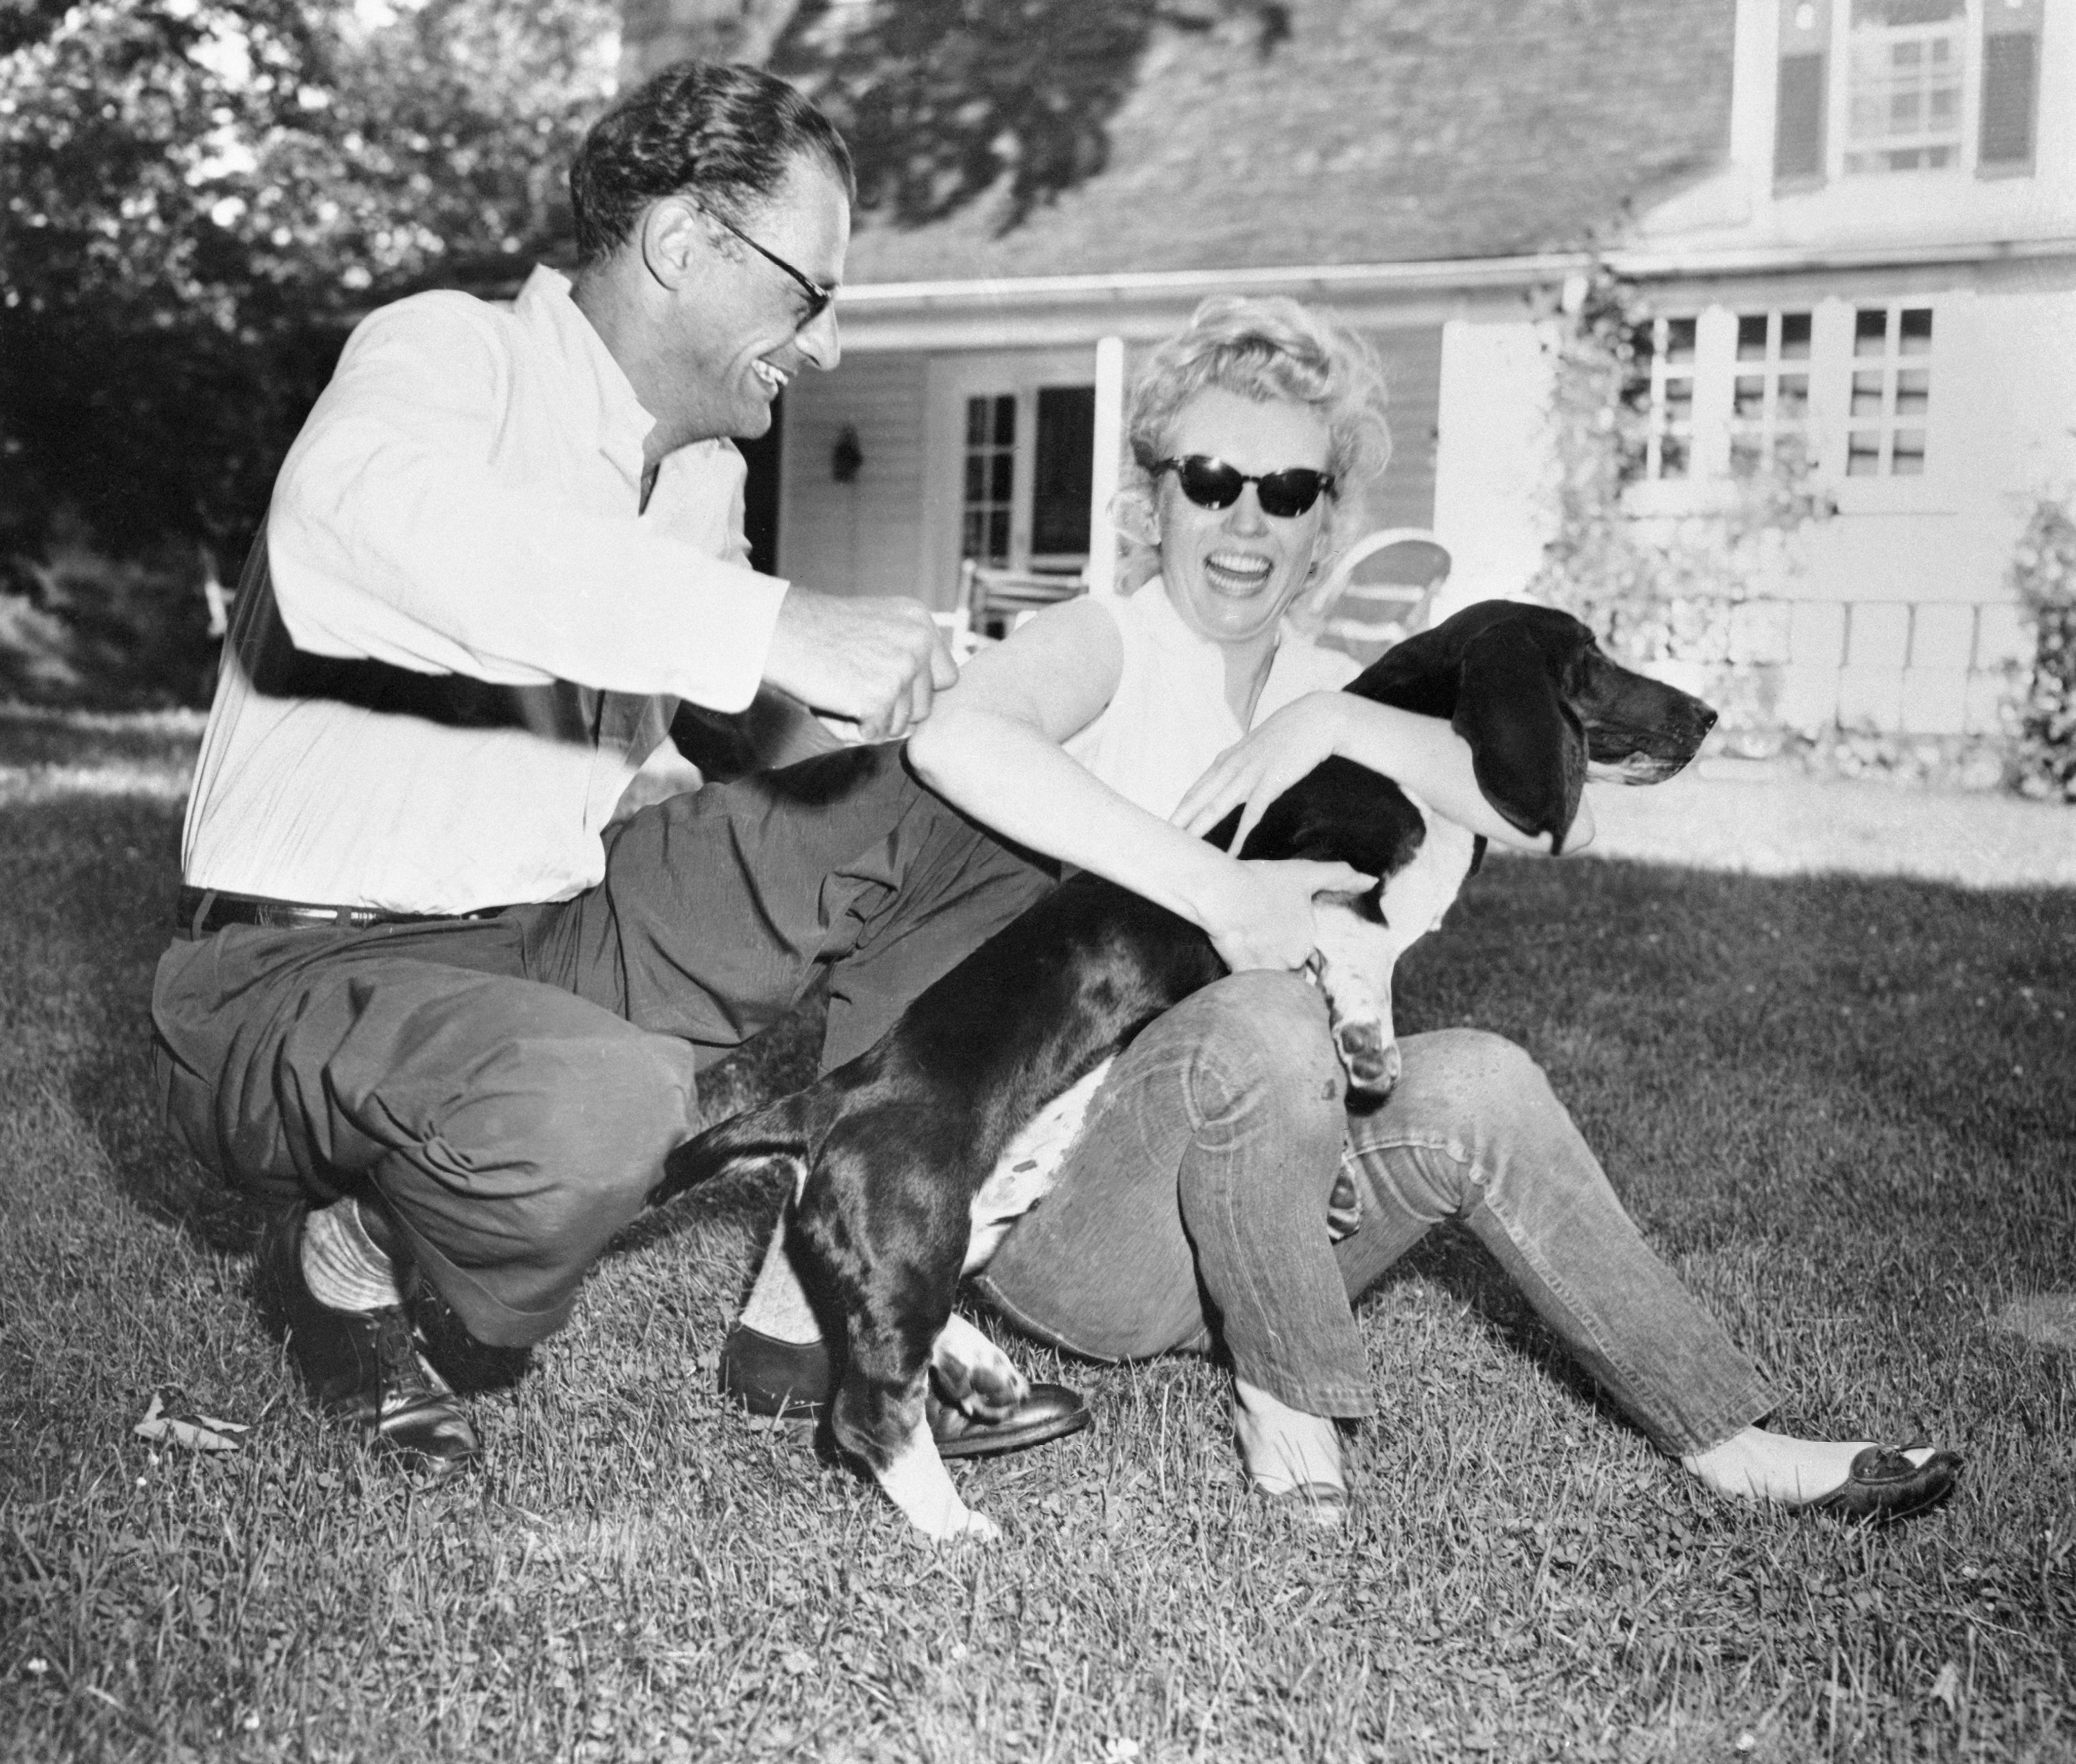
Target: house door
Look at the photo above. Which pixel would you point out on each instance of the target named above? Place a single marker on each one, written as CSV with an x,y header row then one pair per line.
x,y
1012,456
1027,462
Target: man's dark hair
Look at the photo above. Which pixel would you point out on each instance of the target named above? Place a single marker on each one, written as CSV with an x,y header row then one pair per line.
x,y
729,133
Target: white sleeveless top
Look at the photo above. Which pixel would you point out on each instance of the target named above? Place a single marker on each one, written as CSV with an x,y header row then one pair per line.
x,y
1169,718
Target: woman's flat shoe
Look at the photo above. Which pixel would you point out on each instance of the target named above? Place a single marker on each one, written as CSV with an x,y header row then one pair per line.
x,y
1322,1504
1884,1485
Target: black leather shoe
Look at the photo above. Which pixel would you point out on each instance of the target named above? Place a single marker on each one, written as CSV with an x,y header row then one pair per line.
x,y
793,1379
365,1366
796,1379
1046,1412
1885,1486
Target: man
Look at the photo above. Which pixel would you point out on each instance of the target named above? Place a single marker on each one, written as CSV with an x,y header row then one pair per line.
x,y
422,1002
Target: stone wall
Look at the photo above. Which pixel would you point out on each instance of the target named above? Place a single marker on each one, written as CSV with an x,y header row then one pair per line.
x,y
1807,666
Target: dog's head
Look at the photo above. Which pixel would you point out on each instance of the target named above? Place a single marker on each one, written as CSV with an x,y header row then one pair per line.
x,y
1540,706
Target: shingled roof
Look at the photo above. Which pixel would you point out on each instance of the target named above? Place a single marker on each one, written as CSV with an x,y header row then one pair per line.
x,y
1375,131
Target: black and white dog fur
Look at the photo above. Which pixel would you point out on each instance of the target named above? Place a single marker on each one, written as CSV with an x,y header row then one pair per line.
x,y
911,1163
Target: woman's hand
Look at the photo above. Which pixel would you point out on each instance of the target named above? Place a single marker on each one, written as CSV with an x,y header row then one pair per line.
x,y
1263,763
1260,915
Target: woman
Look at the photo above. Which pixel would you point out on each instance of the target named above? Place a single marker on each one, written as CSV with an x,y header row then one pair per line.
x,y
1192,1213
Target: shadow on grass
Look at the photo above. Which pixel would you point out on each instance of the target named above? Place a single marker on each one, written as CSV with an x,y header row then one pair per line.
x,y
93,881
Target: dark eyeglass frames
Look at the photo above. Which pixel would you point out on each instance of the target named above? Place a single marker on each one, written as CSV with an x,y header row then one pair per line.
x,y
1212,483
818,296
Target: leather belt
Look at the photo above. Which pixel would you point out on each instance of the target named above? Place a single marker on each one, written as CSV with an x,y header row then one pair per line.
x,y
201,910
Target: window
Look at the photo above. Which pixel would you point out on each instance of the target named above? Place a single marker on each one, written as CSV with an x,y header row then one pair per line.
x,y
1891,391
1661,390
1880,88
1770,392
1836,390
1028,513
990,479
1905,64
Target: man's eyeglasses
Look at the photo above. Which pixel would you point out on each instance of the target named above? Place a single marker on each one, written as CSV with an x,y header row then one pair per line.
x,y
818,296
1212,483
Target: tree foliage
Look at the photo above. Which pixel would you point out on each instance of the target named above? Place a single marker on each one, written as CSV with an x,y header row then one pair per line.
x,y
199,194
2044,572
197,197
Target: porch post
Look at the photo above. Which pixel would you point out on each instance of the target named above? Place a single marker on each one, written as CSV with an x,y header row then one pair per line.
x,y
1103,475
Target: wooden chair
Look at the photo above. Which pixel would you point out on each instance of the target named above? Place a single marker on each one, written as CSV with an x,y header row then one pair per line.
x,y
1380,591
993,602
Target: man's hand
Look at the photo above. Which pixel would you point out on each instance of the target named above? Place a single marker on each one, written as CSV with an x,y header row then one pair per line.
x,y
1258,768
1262,917
881,661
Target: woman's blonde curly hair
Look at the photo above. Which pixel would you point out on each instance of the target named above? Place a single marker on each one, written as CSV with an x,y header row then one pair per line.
x,y
1266,349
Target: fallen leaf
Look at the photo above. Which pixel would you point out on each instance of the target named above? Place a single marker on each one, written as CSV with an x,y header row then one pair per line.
x,y
197,1432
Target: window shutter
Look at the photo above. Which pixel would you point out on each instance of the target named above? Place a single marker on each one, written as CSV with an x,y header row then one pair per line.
x,y
1799,100
2011,88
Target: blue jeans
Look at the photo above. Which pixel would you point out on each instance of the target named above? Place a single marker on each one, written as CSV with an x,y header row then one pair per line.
x,y
1192,1213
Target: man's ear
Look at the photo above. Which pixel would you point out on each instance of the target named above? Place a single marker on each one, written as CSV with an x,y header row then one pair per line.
x,y
1527,748
671,232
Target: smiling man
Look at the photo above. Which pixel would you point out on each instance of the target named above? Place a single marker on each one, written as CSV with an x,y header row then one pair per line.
x,y
423,1002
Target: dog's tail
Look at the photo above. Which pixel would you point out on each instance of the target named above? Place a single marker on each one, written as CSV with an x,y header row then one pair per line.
x,y
780,1133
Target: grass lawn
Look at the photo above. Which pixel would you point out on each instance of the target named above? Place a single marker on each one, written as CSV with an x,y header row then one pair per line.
x,y
1841,1104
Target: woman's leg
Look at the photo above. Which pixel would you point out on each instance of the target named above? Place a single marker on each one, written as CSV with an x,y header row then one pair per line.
x,y
1474,1132
1195,1203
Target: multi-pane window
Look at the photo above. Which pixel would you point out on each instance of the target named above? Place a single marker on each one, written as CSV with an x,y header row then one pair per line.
x,y
1661,390
1883,87
1770,392
1905,69
1891,391
990,497
1029,457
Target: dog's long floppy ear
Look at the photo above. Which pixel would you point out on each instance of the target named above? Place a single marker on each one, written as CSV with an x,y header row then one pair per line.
x,y
1527,746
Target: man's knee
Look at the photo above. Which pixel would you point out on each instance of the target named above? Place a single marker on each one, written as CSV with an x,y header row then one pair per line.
x,y
549,1148
589,1119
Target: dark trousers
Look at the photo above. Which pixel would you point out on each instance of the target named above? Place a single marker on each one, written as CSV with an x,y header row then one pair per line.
x,y
508,1087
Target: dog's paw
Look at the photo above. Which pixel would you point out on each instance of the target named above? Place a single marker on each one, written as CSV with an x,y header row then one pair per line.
x,y
916,1481
971,1528
974,1375
1369,1054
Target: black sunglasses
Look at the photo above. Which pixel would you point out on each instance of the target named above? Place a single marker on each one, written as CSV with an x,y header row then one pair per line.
x,y
818,296
1212,483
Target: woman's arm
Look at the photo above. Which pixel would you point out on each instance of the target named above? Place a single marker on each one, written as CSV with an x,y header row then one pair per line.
x,y
991,747
1423,754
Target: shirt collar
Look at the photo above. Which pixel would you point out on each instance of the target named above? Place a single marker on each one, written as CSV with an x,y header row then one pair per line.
x,y
555,320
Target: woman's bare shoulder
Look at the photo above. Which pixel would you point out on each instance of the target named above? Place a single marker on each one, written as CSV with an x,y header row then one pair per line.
x,y
1056,671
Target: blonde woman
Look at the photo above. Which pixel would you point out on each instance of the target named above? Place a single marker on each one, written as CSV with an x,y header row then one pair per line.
x,y
1192,1214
